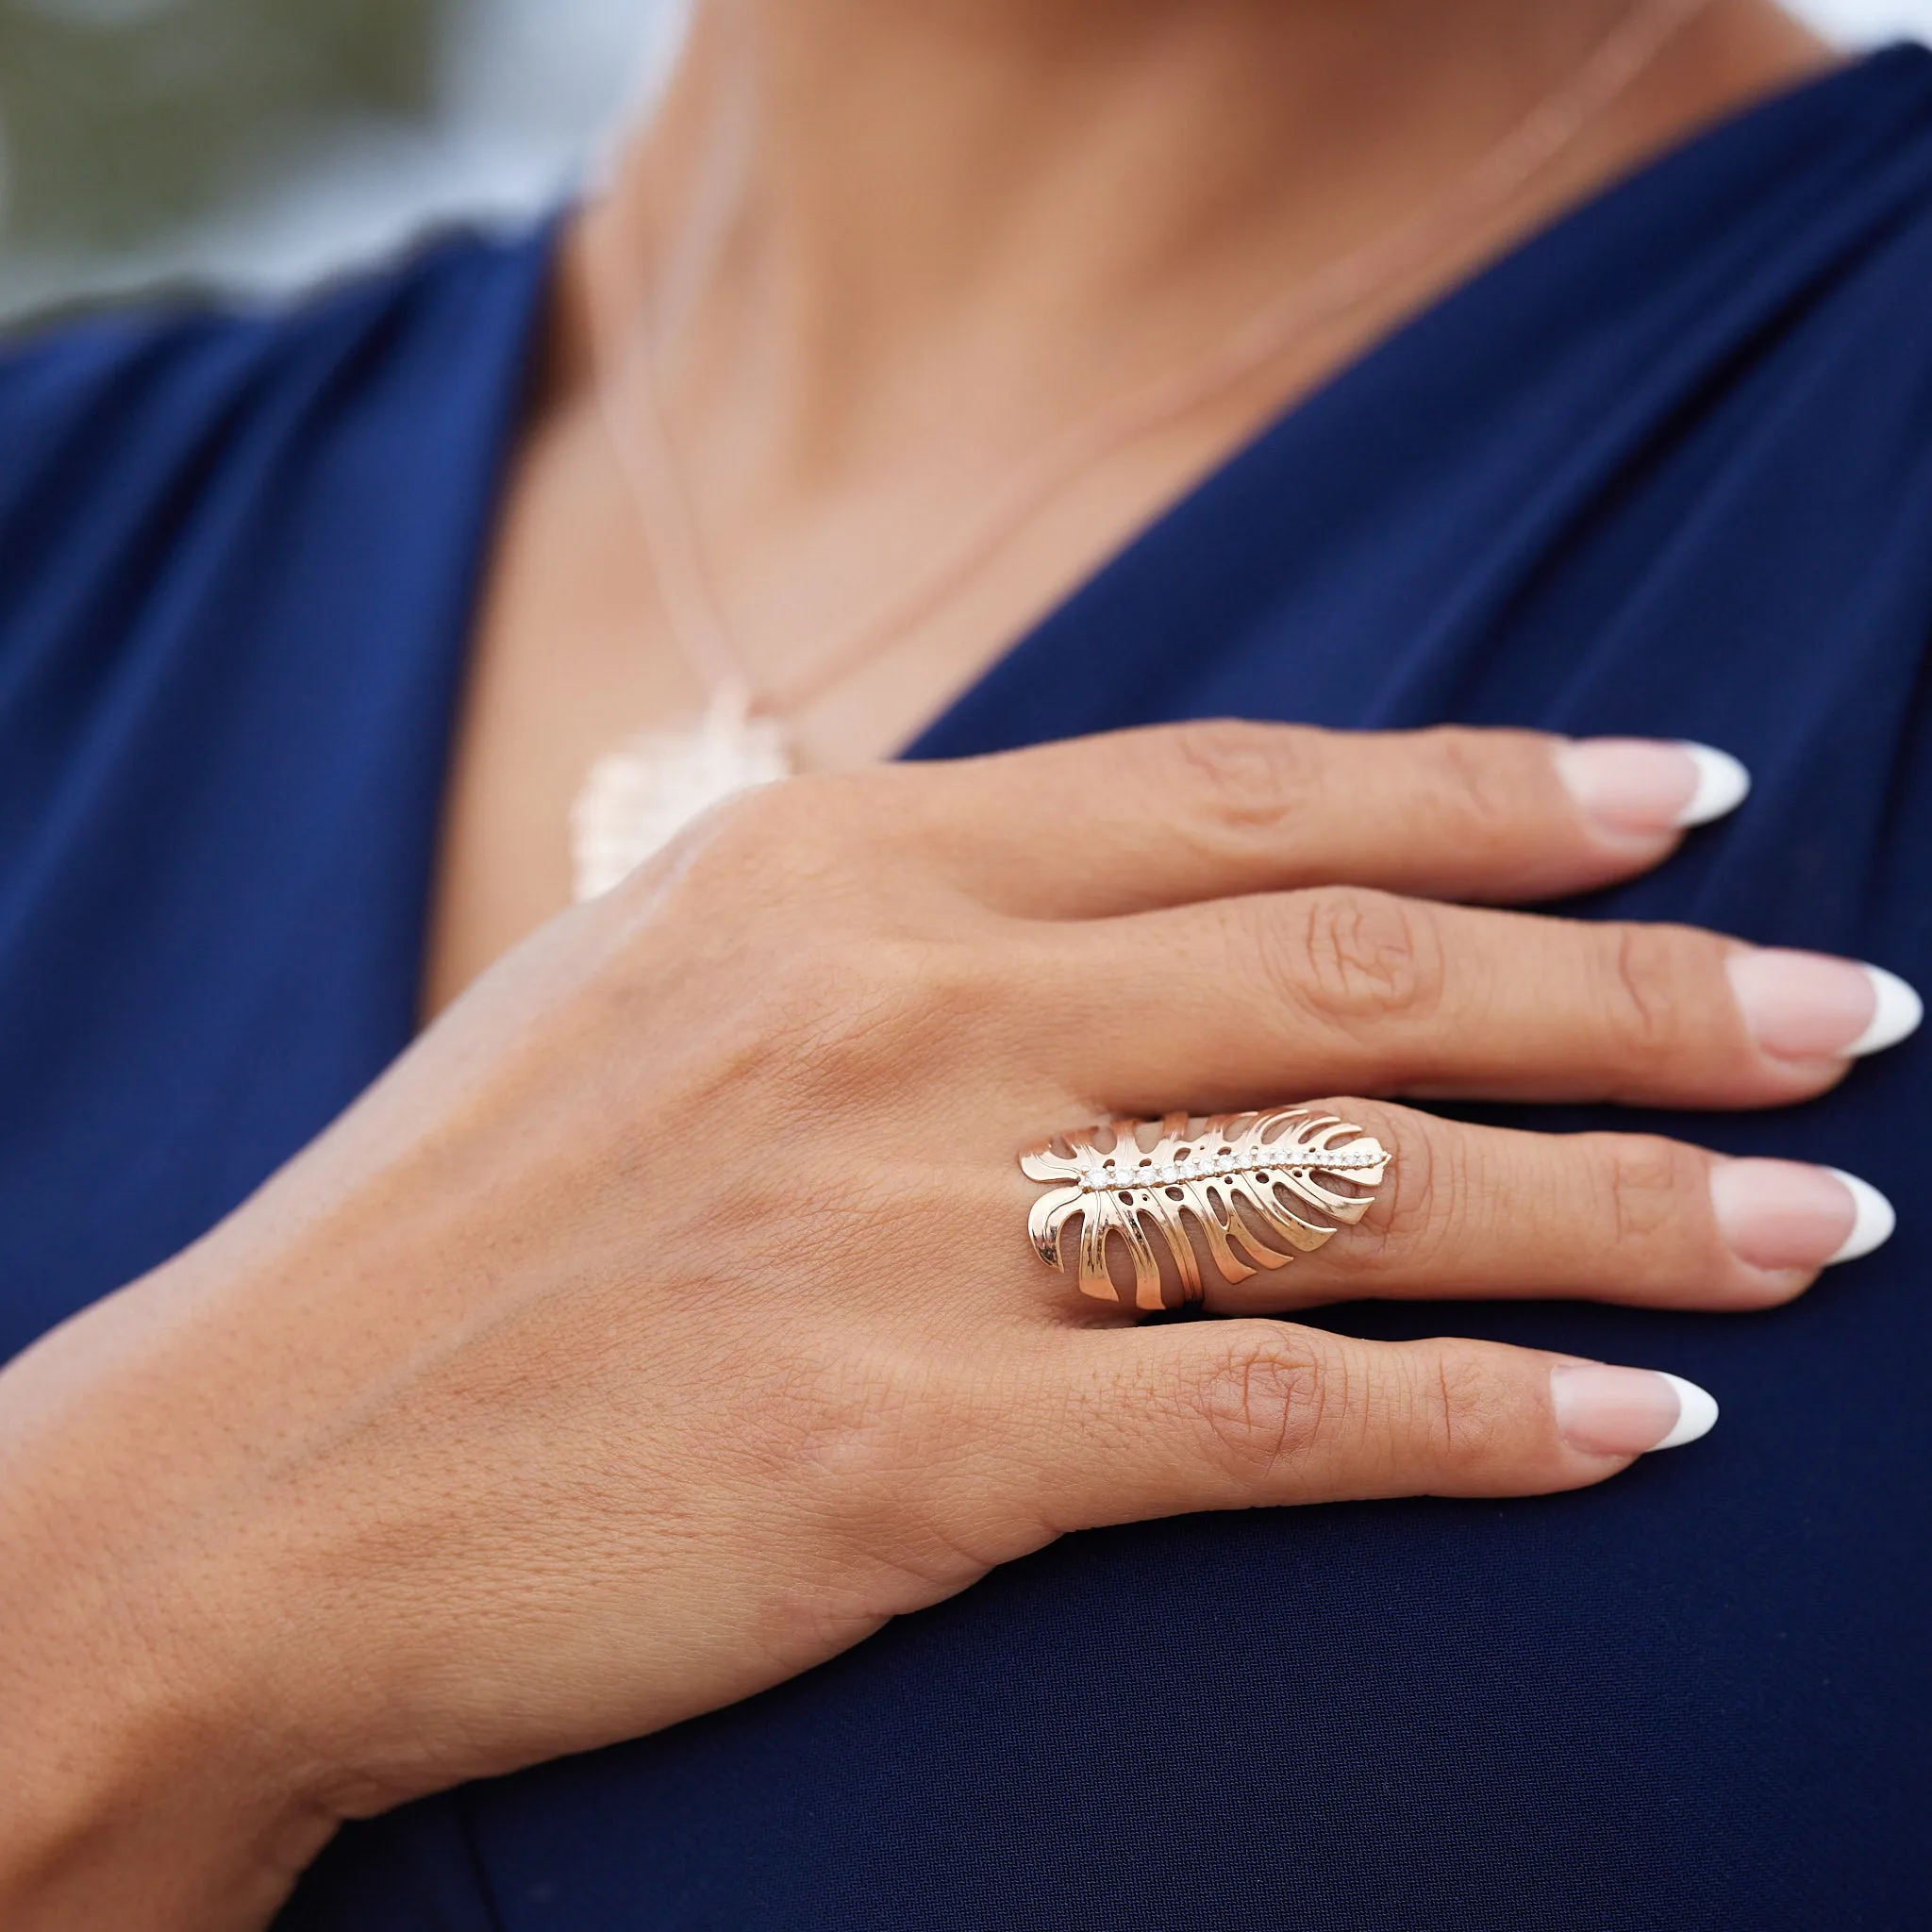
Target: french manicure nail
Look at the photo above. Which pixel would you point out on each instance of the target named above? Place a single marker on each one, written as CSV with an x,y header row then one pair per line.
x,y
1810,1006
1607,1411
1651,785
1783,1214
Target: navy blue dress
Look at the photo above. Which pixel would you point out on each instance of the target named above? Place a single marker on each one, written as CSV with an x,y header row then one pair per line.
x,y
1666,469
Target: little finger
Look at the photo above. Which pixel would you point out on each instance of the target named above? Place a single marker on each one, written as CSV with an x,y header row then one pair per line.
x,y
1245,1414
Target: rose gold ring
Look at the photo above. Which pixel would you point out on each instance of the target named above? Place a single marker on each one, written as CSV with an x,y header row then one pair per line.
x,y
1236,1177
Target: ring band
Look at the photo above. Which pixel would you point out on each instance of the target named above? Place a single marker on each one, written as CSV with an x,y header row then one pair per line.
x,y
1233,1182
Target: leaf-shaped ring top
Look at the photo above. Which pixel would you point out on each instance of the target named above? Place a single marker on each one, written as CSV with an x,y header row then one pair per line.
x,y
1235,1185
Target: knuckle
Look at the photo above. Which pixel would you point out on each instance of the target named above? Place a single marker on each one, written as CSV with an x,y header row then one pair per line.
x,y
1244,780
1457,1414
1431,1171
1431,1180
764,819
1263,1400
1645,1186
1354,958
779,840
1482,788
1643,984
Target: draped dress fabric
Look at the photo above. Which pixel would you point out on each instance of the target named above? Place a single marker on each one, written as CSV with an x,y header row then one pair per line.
x,y
1665,469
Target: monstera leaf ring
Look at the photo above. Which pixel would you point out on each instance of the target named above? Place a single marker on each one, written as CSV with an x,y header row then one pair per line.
x,y
1247,1183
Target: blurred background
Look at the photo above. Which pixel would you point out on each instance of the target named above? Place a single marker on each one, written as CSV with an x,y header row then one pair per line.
x,y
260,143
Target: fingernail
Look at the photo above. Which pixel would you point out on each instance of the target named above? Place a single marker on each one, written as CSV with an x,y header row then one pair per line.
x,y
1605,1411
1651,785
1810,1006
1780,1214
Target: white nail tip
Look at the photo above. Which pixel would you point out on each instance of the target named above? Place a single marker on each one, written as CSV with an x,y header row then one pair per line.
x,y
1696,1413
1894,1018
1874,1222
1723,785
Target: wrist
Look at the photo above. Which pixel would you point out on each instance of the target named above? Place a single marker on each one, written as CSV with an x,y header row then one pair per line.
x,y
142,1780
111,1830
124,1802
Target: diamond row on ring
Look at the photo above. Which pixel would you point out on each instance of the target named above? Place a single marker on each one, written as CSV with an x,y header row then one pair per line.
x,y
1103,1180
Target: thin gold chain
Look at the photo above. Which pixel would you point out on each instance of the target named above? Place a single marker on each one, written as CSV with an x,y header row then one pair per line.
x,y
639,436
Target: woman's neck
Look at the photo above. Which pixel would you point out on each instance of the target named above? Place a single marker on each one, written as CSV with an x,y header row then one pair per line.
x,y
838,199
883,252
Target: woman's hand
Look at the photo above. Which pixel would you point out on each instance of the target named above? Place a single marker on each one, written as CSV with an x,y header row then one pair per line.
x,y
665,1322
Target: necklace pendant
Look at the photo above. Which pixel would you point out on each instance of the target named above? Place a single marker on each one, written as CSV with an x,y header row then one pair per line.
x,y
636,799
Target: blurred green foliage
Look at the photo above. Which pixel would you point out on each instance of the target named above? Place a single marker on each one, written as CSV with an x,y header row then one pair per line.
x,y
122,118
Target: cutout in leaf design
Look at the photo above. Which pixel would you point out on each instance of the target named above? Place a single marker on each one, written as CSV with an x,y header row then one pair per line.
x,y
1228,1179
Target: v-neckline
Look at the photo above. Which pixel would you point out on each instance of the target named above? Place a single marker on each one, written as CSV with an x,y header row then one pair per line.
x,y
1002,704
956,728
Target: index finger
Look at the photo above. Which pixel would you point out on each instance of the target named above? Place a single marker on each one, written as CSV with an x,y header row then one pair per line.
x,y
1172,814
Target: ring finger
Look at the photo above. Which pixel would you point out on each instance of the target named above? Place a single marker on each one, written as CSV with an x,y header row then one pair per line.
x,y
1469,1213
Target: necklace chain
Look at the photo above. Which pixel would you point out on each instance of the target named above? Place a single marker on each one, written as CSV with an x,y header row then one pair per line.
x,y
636,798
662,503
